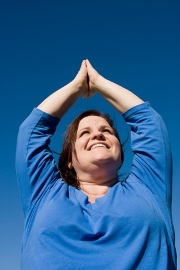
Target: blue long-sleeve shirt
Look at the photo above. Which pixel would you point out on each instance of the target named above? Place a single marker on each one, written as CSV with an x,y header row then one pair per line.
x,y
129,228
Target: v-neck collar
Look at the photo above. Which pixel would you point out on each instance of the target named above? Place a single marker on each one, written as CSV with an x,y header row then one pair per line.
x,y
83,198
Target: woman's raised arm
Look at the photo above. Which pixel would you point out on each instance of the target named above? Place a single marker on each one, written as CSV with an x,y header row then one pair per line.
x,y
60,101
121,98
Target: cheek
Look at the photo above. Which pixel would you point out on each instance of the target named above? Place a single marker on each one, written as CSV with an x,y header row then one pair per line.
x,y
80,145
77,147
118,150
78,154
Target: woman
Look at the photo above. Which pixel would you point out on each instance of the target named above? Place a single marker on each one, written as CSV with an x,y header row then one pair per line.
x,y
90,220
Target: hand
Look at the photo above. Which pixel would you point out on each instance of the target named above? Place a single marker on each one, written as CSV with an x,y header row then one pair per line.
x,y
81,80
93,75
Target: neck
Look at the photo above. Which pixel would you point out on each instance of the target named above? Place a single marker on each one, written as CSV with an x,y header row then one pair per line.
x,y
99,175
95,190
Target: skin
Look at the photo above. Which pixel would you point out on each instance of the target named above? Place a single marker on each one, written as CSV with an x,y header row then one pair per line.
x,y
98,156
86,83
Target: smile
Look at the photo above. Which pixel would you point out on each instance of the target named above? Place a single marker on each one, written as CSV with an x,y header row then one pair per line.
x,y
98,145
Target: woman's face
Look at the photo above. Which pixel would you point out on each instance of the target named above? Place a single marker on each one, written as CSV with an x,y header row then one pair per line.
x,y
95,145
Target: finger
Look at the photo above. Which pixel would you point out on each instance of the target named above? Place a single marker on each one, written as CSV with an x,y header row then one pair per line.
x,y
83,69
88,64
83,64
90,67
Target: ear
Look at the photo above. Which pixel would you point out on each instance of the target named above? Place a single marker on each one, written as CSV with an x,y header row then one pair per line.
x,y
70,166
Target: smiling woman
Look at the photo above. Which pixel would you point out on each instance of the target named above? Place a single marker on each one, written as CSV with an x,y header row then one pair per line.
x,y
80,130
82,216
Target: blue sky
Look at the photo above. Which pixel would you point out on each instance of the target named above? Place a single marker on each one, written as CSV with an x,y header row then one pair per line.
x,y
133,43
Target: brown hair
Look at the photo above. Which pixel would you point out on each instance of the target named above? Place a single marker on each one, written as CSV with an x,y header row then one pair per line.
x,y
67,173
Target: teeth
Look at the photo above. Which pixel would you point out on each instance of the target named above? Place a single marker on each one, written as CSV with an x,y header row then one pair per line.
x,y
98,145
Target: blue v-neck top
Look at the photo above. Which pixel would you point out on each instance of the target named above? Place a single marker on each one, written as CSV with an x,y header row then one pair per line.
x,y
129,228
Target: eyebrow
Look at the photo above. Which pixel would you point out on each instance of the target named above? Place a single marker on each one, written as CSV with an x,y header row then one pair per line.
x,y
101,126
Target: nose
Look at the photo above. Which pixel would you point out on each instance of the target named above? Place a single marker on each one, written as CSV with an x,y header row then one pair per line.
x,y
98,135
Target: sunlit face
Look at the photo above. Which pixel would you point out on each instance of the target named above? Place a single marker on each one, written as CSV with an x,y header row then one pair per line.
x,y
96,146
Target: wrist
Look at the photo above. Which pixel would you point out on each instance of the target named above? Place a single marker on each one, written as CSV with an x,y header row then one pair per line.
x,y
99,83
76,86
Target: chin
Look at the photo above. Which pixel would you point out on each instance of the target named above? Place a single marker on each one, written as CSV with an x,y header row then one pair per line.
x,y
108,163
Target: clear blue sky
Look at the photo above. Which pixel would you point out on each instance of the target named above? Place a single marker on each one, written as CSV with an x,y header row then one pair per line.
x,y
134,43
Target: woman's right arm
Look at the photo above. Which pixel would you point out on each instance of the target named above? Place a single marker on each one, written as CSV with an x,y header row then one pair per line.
x,y
35,165
60,101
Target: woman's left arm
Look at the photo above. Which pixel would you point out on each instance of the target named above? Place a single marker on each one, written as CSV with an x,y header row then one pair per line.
x,y
150,144
119,97
152,161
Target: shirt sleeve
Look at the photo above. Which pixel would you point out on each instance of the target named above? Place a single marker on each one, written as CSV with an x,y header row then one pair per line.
x,y
152,160
35,166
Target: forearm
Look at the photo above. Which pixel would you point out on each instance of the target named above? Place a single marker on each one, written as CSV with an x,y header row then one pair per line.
x,y
60,101
121,98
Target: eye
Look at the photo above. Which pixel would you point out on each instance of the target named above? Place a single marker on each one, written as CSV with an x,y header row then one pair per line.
x,y
83,133
107,130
